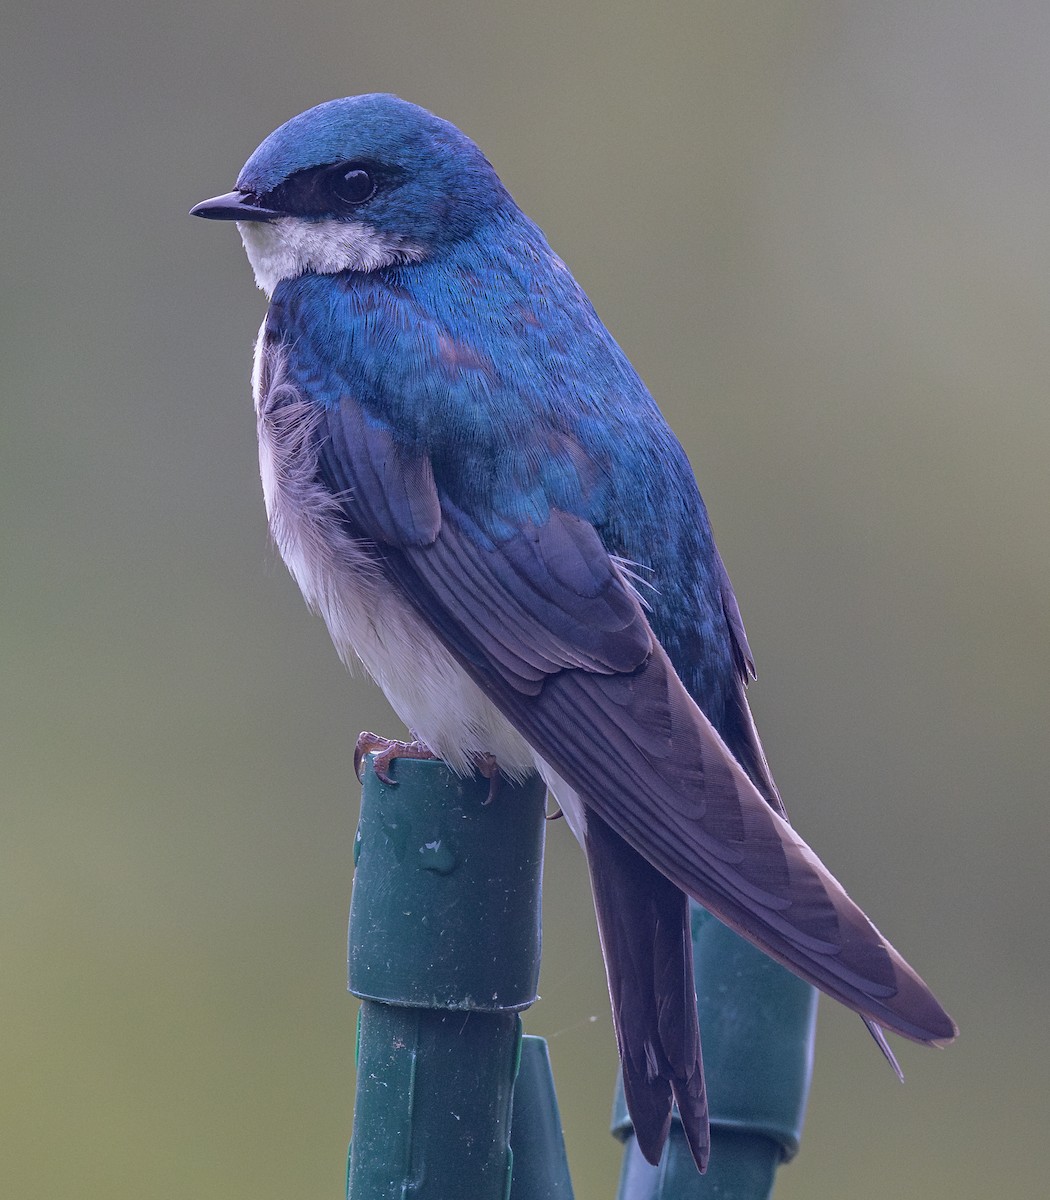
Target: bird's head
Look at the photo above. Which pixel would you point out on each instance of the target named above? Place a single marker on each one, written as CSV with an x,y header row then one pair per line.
x,y
356,185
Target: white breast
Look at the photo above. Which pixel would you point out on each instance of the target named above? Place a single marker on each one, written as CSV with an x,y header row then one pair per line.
x,y
368,620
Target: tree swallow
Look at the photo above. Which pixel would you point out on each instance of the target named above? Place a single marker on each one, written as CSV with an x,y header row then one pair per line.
x,y
473,487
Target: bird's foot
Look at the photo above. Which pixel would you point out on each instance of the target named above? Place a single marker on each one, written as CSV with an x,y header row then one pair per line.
x,y
387,750
486,765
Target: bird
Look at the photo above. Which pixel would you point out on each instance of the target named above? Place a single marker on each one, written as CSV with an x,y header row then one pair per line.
x,y
474,488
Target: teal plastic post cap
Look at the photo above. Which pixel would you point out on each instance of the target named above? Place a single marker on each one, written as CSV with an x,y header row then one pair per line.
x,y
541,1166
440,868
742,1167
758,1022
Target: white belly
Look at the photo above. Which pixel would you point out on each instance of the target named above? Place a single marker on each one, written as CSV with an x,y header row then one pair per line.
x,y
368,620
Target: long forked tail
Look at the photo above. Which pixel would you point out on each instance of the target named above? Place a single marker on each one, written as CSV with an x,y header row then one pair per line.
x,y
643,921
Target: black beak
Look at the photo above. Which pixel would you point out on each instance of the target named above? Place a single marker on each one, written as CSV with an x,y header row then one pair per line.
x,y
234,206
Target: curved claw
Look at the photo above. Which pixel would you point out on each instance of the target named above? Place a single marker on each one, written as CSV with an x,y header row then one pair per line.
x,y
487,766
386,751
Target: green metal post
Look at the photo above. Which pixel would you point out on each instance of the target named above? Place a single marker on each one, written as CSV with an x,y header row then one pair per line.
x,y
444,951
757,1023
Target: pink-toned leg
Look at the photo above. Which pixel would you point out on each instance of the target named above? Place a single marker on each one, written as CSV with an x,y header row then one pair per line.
x,y
388,749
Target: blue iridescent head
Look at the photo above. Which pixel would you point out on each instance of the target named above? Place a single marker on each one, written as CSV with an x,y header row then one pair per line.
x,y
358,184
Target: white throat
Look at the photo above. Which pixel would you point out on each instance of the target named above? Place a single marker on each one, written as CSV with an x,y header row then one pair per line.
x,y
289,247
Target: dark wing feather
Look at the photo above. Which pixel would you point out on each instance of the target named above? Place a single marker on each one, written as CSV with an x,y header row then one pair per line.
x,y
390,490
745,660
542,595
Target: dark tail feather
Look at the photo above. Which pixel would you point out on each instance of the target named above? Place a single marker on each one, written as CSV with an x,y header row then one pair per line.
x,y
643,920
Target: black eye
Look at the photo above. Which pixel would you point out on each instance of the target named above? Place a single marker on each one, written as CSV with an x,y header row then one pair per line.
x,y
353,184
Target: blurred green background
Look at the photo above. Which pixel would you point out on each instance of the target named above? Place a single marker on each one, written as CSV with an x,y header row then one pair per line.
x,y
820,230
